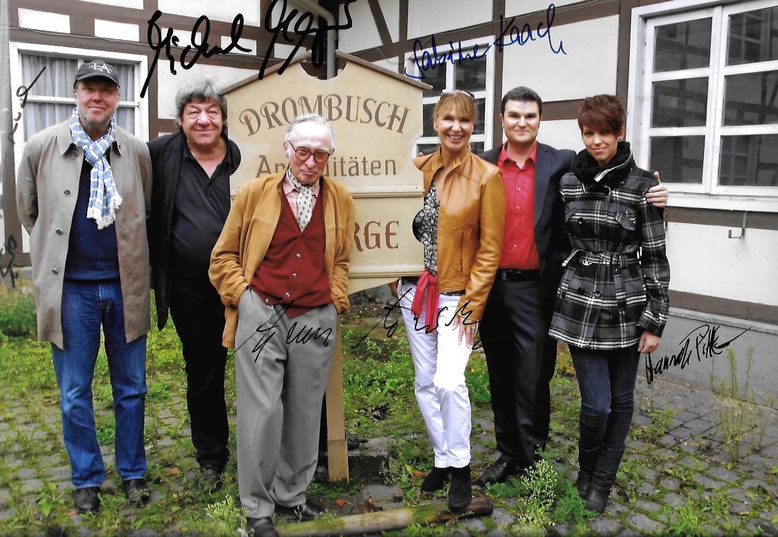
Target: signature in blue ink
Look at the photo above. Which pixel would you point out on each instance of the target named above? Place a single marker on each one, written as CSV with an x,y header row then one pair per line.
x,y
510,33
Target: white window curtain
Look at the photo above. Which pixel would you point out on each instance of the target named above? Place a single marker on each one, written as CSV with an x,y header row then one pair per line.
x,y
50,100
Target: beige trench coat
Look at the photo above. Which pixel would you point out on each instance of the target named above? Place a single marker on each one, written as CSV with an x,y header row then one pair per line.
x,y
46,193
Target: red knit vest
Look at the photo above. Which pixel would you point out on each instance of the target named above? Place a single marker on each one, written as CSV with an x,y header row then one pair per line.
x,y
293,272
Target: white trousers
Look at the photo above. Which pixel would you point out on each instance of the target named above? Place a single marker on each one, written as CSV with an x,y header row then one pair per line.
x,y
440,361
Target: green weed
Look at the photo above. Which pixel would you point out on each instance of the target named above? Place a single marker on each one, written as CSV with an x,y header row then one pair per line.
x,y
49,497
17,310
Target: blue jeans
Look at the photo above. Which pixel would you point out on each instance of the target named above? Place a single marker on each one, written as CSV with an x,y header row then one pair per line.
x,y
606,380
85,306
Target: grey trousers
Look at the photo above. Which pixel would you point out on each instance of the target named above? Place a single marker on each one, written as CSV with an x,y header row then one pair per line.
x,y
281,370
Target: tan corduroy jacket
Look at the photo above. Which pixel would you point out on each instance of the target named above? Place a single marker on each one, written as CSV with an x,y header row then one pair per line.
x,y
250,227
46,194
471,224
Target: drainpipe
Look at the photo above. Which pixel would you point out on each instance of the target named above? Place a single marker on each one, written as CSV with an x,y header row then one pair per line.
x,y
326,15
8,210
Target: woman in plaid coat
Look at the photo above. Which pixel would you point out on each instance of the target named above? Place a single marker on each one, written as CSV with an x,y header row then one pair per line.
x,y
612,301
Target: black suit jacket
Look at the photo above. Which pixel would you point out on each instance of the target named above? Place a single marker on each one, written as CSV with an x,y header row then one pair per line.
x,y
550,235
167,153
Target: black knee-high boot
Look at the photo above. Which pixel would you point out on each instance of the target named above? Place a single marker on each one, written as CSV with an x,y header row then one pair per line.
x,y
587,458
603,478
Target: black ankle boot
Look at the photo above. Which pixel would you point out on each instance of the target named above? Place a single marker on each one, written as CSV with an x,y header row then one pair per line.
x,y
435,480
586,461
459,492
603,478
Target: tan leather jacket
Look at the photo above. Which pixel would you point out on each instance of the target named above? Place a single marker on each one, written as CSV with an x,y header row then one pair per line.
x,y
471,224
250,227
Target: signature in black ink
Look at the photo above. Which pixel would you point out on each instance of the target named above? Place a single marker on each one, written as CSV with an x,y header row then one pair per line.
x,y
6,269
22,92
510,33
391,326
706,345
302,29
201,48
296,334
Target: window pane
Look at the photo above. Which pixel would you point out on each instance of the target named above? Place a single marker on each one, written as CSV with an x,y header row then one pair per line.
x,y
125,117
435,76
429,125
753,36
477,147
679,103
57,81
751,99
749,160
427,148
480,112
470,75
38,116
684,45
678,158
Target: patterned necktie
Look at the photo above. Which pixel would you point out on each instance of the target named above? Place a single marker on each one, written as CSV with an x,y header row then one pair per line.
x,y
304,200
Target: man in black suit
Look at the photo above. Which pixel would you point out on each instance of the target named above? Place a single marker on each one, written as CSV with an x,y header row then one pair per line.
x,y
520,355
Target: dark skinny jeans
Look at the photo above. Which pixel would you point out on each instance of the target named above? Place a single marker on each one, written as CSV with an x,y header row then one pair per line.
x,y
606,380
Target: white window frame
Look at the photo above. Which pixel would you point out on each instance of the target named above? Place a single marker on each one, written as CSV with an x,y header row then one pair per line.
x,y
487,93
708,194
17,49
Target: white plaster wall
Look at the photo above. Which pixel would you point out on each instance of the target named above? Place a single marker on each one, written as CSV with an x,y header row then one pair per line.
x,y
588,68
222,10
426,17
520,7
364,33
561,133
117,30
42,20
168,83
703,260
134,4
390,64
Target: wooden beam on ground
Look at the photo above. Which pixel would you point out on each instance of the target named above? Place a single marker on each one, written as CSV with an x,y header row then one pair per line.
x,y
378,521
337,449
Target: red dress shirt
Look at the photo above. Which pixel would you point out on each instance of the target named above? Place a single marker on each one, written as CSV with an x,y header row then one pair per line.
x,y
519,249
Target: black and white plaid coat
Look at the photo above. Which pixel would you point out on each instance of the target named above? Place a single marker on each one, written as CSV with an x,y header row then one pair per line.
x,y
615,280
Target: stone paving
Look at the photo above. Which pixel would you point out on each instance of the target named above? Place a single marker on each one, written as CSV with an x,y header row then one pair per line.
x,y
678,465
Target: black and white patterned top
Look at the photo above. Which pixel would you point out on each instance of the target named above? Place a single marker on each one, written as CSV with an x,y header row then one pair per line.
x,y
425,228
615,281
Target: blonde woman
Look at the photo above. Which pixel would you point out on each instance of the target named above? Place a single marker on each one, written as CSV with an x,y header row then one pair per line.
x,y
461,228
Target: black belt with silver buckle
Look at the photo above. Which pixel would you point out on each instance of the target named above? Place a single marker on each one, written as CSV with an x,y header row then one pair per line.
x,y
513,275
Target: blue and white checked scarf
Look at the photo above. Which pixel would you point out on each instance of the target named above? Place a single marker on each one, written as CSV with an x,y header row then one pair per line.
x,y
104,200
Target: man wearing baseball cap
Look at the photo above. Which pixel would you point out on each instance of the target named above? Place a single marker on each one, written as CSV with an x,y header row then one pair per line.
x,y
84,192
